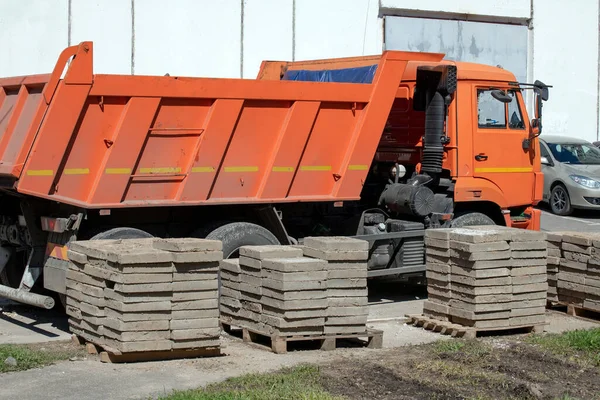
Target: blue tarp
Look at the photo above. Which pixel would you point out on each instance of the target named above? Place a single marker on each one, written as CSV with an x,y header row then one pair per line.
x,y
347,75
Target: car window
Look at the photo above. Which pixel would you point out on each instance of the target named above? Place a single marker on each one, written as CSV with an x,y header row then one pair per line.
x,y
575,153
544,151
515,118
490,112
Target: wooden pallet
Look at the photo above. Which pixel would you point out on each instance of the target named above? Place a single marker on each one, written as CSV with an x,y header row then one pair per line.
x,y
373,338
467,332
576,311
109,355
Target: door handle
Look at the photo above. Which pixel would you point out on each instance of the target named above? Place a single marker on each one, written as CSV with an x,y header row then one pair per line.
x,y
481,157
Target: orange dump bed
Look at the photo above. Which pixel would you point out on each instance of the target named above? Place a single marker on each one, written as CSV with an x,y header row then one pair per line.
x,y
116,141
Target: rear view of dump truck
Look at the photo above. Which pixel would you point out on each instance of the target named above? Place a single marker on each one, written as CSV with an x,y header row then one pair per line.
x,y
378,148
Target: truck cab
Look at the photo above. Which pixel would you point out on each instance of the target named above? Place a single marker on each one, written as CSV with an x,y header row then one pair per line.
x,y
488,163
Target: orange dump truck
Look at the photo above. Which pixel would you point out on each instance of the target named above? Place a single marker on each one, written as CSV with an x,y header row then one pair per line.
x,y
378,148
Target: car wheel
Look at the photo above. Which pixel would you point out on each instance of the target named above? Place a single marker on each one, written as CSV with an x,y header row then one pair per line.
x,y
560,203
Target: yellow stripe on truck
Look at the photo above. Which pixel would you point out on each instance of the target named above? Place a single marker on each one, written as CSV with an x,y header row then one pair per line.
x,y
358,167
40,172
315,168
77,171
283,169
504,170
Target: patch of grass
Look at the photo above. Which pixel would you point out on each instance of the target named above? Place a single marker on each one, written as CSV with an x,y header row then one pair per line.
x,y
468,348
34,356
302,382
580,345
448,346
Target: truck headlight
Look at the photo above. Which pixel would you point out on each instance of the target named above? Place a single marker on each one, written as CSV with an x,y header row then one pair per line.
x,y
585,181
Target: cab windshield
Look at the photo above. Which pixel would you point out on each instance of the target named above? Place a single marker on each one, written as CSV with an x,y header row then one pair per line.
x,y
575,153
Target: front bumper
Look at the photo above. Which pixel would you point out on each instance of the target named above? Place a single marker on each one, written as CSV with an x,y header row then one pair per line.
x,y
582,197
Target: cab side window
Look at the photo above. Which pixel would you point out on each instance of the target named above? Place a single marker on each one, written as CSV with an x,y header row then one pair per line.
x,y
490,112
515,118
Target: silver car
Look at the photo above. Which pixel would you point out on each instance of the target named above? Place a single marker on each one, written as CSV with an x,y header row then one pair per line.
x,y
571,170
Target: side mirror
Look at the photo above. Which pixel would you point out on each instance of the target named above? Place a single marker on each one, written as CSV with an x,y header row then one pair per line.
x,y
501,96
542,89
545,161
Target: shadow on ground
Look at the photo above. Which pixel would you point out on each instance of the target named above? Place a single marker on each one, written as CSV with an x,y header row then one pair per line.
x,y
33,319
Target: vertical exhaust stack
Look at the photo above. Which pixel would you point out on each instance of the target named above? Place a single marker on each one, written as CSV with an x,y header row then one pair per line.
x,y
433,94
433,149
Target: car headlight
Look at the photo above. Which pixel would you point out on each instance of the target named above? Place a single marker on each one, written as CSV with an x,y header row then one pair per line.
x,y
585,181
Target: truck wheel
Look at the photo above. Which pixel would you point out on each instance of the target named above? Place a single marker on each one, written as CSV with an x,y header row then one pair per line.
x,y
238,234
560,203
472,219
122,233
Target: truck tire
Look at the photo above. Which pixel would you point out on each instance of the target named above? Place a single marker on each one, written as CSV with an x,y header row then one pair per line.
x,y
238,234
122,233
472,219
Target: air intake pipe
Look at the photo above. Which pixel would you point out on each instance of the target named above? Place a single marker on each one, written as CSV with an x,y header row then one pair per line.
x,y
433,149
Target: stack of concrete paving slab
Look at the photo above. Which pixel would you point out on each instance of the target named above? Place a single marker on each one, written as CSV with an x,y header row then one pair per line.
x,y
294,295
85,298
347,291
438,271
553,265
297,290
229,297
579,271
151,295
497,277
195,303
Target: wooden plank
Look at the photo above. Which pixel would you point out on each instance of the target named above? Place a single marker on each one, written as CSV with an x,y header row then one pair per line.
x,y
580,312
374,338
376,341
91,348
456,330
78,340
107,357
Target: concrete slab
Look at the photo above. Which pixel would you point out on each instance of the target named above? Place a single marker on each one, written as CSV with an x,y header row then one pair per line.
x,y
336,243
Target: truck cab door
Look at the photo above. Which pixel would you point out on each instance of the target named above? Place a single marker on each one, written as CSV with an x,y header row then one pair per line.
x,y
498,155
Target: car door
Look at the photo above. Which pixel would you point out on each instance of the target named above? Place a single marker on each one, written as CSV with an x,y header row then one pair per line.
x,y
499,157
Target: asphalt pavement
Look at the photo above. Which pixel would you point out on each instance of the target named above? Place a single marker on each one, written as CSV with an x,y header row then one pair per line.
x,y
580,221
